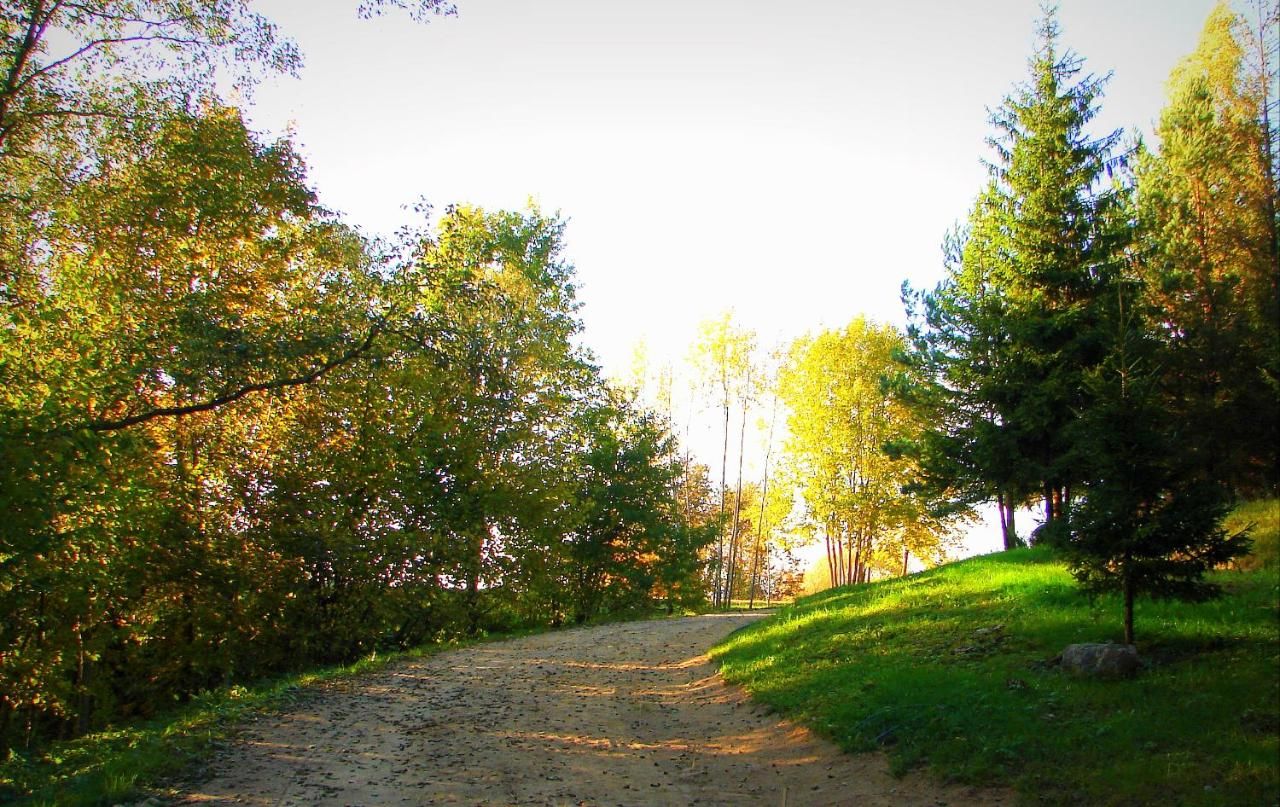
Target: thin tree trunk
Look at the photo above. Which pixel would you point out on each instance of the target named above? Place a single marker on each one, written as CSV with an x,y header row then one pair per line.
x,y
1267,20
831,560
1014,540
724,471
764,497
906,557
1004,526
855,575
1128,599
736,538
1048,504
1008,530
688,424
837,544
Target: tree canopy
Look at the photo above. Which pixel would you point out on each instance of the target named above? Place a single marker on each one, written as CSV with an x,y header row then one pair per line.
x,y
237,435
1106,331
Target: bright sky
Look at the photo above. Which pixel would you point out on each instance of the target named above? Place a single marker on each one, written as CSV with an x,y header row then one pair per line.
x,y
792,161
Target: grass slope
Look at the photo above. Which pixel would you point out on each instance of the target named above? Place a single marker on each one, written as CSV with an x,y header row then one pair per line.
x,y
951,668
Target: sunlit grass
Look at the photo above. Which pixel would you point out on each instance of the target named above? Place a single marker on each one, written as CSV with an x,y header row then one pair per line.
x,y
952,669
1262,519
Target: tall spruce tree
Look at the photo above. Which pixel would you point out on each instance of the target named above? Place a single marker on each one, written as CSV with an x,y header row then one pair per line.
x,y
1008,336
1050,213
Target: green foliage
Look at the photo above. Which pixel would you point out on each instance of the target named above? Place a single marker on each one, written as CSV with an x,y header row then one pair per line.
x,y
1149,522
1207,218
1161,435
843,414
1111,346
952,669
1001,345
625,540
239,438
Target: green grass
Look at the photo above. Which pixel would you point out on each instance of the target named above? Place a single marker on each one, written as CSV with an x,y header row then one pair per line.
x,y
950,669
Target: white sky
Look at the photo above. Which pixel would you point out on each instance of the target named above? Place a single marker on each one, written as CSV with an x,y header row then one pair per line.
x,y
793,161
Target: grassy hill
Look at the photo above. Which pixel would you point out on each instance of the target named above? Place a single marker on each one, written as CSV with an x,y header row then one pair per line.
x,y
952,669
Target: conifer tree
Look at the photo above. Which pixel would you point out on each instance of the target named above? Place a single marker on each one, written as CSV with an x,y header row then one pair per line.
x,y
1005,340
1051,212
1207,216
1148,522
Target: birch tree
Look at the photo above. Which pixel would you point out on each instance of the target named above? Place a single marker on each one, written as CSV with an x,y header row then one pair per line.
x,y
841,416
721,358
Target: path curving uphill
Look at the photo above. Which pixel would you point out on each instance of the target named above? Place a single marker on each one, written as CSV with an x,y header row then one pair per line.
x,y
625,714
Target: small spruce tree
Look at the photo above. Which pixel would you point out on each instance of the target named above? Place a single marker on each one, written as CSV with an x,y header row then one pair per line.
x,y
1149,522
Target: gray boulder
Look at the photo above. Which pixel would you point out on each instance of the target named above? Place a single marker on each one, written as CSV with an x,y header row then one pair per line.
x,y
1101,660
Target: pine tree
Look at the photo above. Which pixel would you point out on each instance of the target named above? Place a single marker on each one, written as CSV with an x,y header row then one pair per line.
x,y
1148,522
1059,257
1207,216
1008,336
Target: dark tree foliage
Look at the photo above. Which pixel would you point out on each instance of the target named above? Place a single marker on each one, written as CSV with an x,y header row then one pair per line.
x,y
1002,344
1208,224
236,436
1181,416
626,539
1101,335
1149,522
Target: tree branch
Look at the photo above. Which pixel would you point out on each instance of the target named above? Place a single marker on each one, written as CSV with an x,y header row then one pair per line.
x,y
128,18
36,27
101,43
241,392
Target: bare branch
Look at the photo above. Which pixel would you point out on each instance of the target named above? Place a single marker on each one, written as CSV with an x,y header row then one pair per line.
x,y
237,394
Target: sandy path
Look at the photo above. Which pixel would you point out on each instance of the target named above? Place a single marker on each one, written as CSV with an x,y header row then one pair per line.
x,y
628,714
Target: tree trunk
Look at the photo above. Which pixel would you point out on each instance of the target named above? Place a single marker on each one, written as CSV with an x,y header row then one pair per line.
x,y
735,538
1008,528
837,556
855,573
1128,601
906,557
1048,504
720,541
472,598
1264,46
764,498
717,600
831,558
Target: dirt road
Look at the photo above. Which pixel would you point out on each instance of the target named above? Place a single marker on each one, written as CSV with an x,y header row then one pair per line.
x,y
627,714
